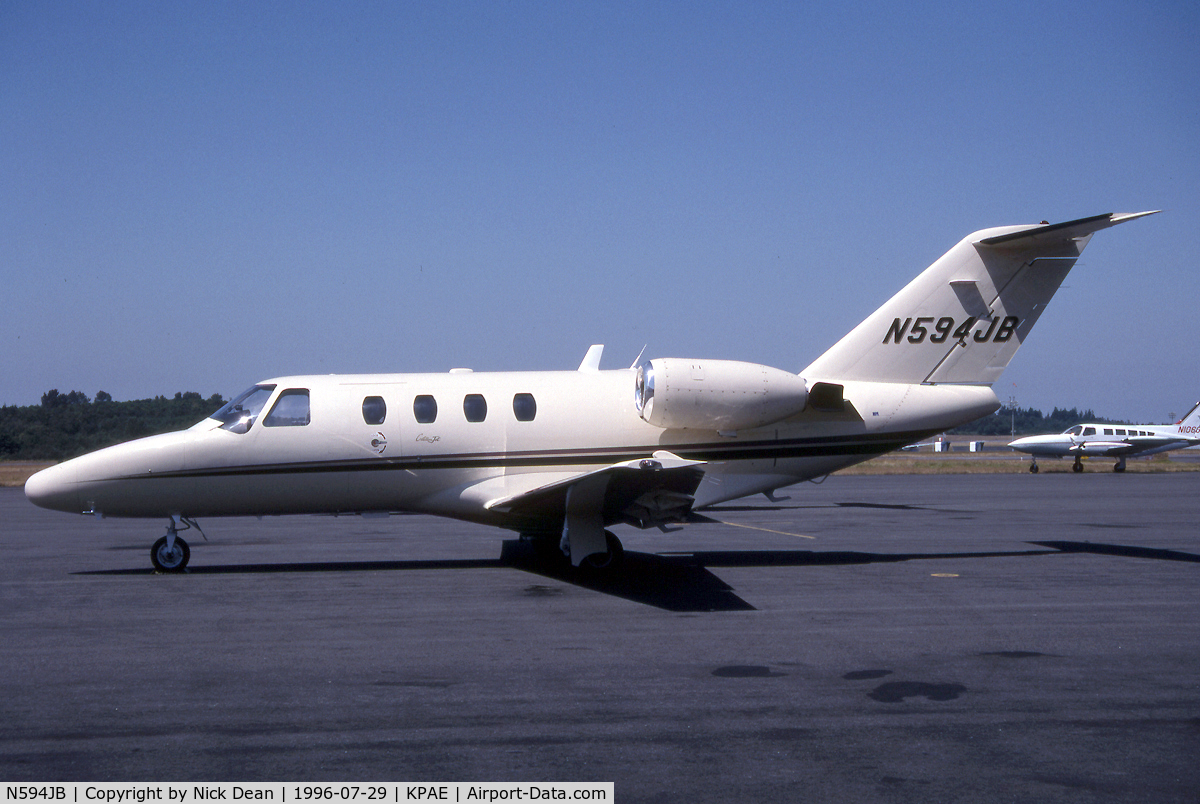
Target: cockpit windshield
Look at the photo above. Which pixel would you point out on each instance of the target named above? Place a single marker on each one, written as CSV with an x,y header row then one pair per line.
x,y
1076,430
239,414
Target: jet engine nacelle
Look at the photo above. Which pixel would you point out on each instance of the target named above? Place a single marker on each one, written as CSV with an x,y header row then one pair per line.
x,y
677,393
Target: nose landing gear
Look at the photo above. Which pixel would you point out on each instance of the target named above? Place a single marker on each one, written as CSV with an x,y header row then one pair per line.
x,y
171,553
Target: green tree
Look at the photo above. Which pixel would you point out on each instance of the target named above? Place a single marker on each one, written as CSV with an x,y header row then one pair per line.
x,y
66,425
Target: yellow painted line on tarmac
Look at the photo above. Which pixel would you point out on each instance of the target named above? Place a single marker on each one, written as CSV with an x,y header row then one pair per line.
x,y
944,574
766,530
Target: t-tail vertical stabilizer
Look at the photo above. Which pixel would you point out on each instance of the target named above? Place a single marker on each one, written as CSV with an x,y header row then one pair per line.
x,y
964,317
1189,425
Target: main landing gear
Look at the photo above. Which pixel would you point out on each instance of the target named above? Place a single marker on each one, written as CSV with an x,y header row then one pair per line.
x,y
1033,468
171,553
610,559
549,550
1119,466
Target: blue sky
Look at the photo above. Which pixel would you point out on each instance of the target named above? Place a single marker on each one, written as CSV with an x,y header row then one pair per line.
x,y
198,196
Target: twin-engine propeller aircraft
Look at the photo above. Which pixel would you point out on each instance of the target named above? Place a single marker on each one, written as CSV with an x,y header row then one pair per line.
x,y
560,456
1118,441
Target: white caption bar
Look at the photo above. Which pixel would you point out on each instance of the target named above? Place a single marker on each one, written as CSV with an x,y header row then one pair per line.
x,y
300,792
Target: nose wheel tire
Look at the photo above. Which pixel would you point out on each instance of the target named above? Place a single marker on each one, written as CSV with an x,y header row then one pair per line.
x,y
172,559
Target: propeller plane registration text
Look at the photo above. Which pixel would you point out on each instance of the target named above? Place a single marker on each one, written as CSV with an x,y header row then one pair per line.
x,y
561,456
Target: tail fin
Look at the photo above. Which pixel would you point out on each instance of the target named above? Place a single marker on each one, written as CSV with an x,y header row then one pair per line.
x,y
964,317
1190,423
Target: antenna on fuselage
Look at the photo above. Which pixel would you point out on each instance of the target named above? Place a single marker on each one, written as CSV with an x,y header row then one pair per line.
x,y
591,361
638,359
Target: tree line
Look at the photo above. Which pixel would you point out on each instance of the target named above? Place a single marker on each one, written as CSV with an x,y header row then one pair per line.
x,y
1027,421
66,425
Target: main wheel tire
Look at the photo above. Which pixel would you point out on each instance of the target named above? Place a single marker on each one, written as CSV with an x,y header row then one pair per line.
x,y
1033,468
1076,467
608,560
173,560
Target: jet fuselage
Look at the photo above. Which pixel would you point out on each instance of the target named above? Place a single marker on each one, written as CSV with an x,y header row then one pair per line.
x,y
387,443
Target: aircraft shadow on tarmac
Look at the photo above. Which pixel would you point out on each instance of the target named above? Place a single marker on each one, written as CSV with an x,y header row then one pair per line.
x,y
679,582
698,517
1127,551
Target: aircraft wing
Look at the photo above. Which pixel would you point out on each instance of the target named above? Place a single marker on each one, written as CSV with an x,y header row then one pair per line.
x,y
1137,445
644,492
1148,445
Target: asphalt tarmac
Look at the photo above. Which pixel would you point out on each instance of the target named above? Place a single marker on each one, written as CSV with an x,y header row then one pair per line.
x,y
922,638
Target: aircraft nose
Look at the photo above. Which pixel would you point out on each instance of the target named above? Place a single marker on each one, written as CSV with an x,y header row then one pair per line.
x,y
54,488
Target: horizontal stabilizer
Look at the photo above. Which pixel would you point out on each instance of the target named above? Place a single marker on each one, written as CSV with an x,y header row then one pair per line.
x,y
1044,235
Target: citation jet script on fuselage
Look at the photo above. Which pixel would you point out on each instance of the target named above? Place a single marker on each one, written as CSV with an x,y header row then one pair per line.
x,y
1111,440
560,456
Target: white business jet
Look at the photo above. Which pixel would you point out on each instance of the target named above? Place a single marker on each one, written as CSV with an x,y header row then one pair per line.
x,y
560,456
1118,441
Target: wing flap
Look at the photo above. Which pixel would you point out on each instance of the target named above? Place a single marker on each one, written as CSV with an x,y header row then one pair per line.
x,y
643,491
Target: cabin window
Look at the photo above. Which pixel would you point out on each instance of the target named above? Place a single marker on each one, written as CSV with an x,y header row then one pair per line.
x,y
1108,431
238,415
290,410
524,407
374,410
1089,431
475,407
425,409
1120,431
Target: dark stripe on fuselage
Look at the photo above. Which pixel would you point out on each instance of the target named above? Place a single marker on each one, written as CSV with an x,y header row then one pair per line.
x,y
868,445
